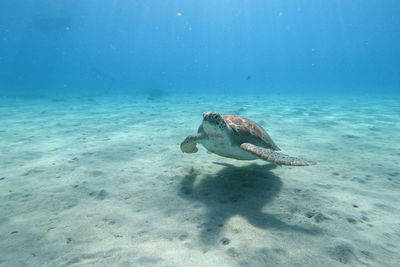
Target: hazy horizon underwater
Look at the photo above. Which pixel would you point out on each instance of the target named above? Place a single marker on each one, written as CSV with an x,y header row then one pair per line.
x,y
97,98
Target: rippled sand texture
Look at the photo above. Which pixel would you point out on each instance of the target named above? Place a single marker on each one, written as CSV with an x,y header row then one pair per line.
x,y
102,181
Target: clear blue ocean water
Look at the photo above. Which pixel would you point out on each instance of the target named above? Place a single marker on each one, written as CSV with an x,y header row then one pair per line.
x,y
129,47
98,100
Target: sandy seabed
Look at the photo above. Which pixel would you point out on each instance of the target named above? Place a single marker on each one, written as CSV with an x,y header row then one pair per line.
x,y
102,181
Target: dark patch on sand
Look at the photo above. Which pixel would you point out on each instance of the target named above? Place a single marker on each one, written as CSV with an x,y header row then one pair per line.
x,y
219,194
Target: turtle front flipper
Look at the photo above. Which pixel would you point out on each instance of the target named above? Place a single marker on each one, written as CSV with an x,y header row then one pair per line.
x,y
189,144
275,157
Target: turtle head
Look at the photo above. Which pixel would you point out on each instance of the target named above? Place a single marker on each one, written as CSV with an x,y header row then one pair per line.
x,y
213,121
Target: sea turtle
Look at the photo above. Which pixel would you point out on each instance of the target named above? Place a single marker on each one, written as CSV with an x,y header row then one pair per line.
x,y
239,138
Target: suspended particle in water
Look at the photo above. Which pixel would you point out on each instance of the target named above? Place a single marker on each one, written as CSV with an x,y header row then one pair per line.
x,y
179,14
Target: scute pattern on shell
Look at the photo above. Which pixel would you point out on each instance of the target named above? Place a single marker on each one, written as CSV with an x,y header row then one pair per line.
x,y
247,128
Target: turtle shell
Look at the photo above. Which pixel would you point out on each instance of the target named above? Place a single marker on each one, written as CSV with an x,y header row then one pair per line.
x,y
247,131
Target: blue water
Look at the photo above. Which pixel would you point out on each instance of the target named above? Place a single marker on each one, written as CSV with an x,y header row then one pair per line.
x,y
133,47
96,98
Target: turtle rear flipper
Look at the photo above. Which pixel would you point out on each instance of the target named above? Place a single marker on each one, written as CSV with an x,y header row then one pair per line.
x,y
189,144
275,157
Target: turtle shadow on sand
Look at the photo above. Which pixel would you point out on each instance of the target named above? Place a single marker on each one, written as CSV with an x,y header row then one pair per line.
x,y
242,191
